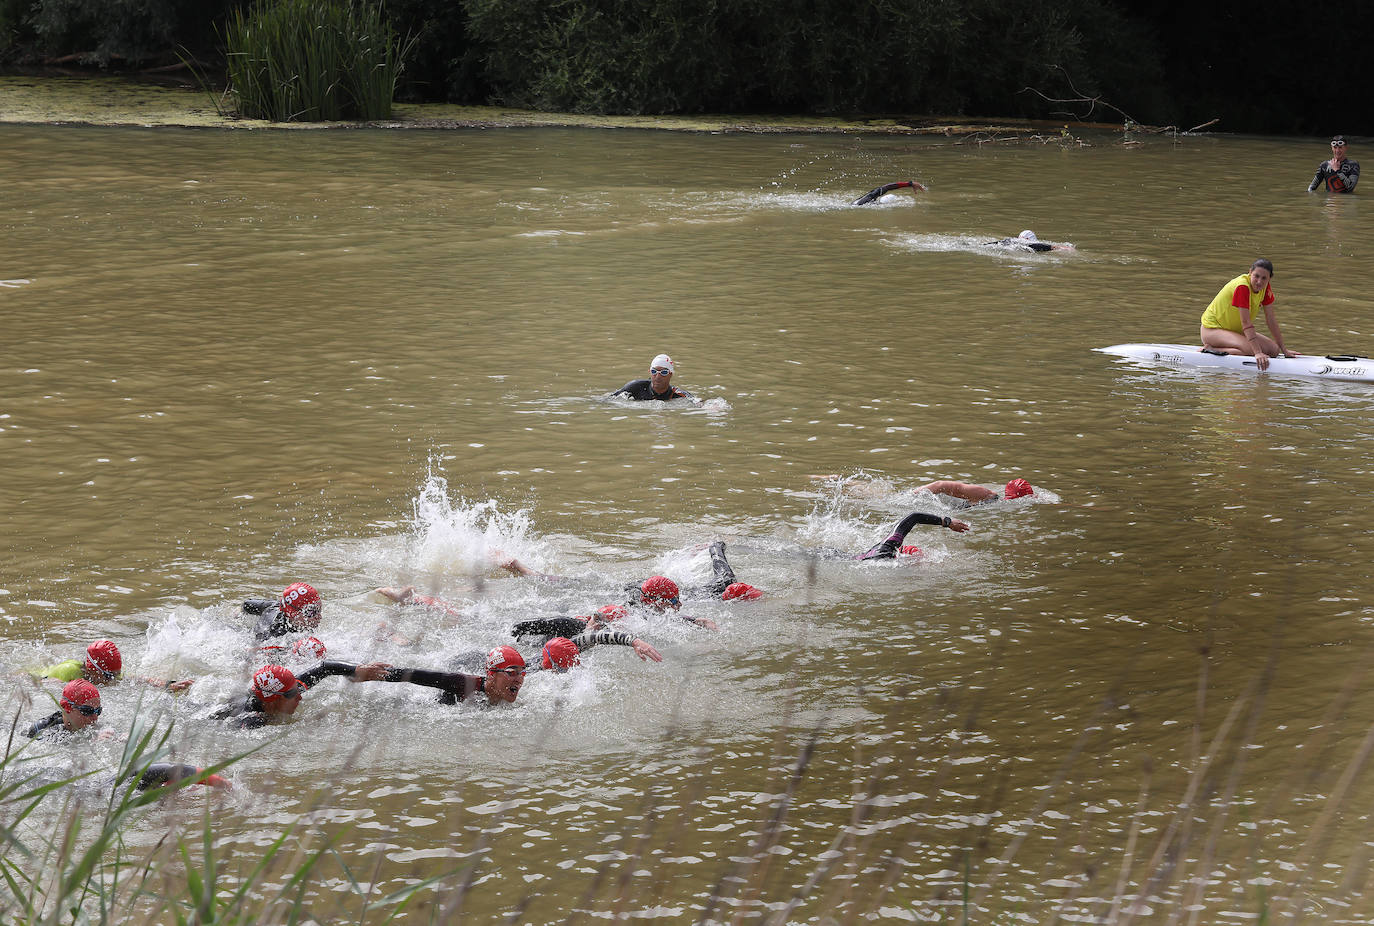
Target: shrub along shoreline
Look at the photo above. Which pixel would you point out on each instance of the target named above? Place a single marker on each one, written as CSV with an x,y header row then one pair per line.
x,y
117,101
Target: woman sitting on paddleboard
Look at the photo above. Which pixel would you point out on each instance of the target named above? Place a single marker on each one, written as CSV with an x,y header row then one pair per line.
x,y
1228,325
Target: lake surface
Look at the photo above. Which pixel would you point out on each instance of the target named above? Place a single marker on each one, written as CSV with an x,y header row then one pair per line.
x,y
236,360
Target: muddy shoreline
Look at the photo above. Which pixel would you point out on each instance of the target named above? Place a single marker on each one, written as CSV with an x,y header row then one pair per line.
x,y
117,101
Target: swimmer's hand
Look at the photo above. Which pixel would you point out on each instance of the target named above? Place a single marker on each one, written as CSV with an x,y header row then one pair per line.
x,y
959,526
646,651
704,622
371,672
181,685
398,595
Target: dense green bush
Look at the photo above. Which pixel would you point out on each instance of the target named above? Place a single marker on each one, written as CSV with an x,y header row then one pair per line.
x,y
313,60
103,31
444,65
633,56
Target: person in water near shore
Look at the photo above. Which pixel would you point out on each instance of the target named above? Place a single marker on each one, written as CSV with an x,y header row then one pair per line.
x,y
276,692
973,494
501,683
1027,241
879,192
1228,323
1340,174
79,708
103,665
659,386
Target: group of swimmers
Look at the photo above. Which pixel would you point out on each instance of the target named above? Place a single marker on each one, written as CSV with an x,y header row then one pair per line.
x,y
285,629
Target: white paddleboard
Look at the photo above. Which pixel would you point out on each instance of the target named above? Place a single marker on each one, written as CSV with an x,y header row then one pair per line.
x,y
1347,368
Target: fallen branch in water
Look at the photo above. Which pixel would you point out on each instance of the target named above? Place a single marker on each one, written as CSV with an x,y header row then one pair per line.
x,y
1131,124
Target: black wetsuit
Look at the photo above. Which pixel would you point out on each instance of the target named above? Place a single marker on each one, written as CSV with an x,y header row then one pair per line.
x,y
879,192
160,773
573,628
246,713
642,390
722,577
1337,181
156,774
1023,244
454,686
272,620
45,729
888,548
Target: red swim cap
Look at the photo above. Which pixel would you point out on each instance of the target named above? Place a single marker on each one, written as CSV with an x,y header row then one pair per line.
x,y
910,550
660,590
1017,488
308,648
561,653
740,590
103,659
301,601
504,657
611,612
271,683
77,693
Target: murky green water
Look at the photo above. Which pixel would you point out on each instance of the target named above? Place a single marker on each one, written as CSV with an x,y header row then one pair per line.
x,y
234,360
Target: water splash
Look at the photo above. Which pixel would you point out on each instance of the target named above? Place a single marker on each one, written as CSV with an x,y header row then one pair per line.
x,y
455,535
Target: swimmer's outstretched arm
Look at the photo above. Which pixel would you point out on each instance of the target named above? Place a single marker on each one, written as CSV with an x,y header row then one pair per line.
x,y
459,684
887,549
617,638
368,672
515,567
549,627
167,683
879,192
965,490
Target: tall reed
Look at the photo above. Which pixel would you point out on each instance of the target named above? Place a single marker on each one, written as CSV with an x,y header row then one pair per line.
x,y
313,60
81,870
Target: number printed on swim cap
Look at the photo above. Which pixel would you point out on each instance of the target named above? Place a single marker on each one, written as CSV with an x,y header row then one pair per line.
x,y
267,683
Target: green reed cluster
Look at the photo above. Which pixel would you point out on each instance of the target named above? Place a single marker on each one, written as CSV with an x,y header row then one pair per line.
x,y
313,60
79,869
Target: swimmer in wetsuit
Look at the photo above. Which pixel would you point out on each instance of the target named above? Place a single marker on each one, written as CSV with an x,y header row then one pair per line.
x,y
501,684
892,545
158,774
297,611
102,666
659,386
79,709
276,692
584,632
661,593
1027,241
878,193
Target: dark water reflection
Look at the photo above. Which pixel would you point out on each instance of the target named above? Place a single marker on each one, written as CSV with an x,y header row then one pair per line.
x,y
243,359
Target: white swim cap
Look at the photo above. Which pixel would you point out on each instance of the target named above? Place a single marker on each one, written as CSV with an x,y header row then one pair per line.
x,y
1028,235
662,361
